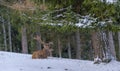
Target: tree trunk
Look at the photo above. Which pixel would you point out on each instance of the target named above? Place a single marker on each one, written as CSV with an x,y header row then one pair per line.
x,y
4,33
43,2
59,48
91,51
43,6
69,48
106,48
38,42
9,33
95,44
119,42
111,45
38,45
96,47
78,48
21,1
24,40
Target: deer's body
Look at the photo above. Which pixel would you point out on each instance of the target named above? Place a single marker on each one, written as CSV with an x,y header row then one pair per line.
x,y
44,53
40,54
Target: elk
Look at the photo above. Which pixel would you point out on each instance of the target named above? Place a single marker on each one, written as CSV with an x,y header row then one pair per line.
x,y
45,52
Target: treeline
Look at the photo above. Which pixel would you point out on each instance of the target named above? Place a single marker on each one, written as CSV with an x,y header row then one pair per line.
x,y
78,29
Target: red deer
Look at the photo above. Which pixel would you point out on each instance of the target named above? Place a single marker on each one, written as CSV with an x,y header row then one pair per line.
x,y
45,52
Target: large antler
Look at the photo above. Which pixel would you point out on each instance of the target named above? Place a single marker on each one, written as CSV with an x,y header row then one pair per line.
x,y
45,52
38,38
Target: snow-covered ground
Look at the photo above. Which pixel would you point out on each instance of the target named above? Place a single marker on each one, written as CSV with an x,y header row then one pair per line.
x,y
23,62
111,1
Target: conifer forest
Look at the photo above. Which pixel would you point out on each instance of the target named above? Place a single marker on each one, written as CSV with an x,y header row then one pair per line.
x,y
75,29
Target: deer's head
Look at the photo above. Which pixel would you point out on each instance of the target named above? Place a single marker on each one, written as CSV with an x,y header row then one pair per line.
x,y
45,45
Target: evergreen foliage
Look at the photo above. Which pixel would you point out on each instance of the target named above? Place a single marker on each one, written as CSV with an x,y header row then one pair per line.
x,y
59,18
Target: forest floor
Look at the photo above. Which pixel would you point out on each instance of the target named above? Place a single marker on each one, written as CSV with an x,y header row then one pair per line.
x,y
23,62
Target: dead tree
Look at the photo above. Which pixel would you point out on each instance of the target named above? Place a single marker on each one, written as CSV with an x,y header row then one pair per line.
x,y
4,33
24,40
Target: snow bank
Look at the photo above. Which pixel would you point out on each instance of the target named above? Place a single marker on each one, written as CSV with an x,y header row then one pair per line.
x,y
23,62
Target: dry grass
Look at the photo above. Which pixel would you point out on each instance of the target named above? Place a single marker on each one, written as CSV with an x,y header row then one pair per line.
x,y
27,5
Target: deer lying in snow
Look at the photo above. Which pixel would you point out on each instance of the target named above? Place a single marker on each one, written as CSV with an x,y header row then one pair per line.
x,y
45,52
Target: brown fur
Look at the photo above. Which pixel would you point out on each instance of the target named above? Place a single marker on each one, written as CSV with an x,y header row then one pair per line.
x,y
45,52
39,54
